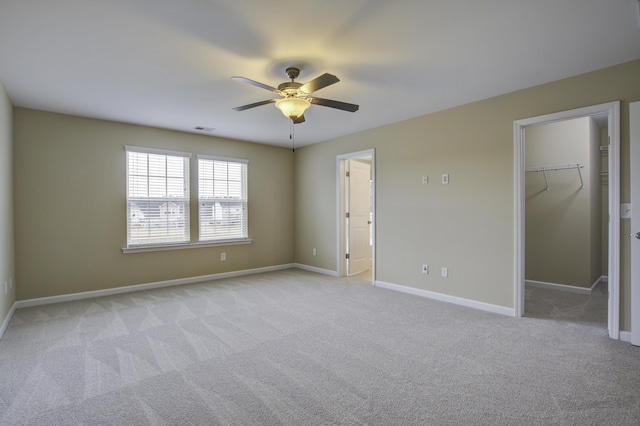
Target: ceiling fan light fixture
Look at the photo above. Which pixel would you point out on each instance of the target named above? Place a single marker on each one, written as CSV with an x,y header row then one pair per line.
x,y
292,107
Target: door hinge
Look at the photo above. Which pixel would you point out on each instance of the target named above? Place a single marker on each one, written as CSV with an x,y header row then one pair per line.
x,y
347,174
347,215
347,256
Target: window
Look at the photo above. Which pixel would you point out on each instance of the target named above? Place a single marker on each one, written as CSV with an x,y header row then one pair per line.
x,y
222,198
157,197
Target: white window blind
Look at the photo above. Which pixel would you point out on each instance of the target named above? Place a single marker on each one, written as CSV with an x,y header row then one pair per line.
x,y
222,198
157,197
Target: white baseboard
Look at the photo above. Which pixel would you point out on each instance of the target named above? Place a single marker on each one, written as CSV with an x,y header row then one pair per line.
x,y
316,270
566,288
7,320
625,336
449,299
149,286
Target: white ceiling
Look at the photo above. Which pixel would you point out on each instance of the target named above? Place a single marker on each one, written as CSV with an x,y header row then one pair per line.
x,y
169,63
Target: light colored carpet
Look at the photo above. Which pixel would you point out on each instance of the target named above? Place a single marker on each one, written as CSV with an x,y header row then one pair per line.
x,y
565,306
297,348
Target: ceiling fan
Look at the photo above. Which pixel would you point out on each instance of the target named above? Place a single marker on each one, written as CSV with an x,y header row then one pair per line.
x,y
295,97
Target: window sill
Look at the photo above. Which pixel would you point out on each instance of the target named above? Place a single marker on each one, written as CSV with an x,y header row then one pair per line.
x,y
164,247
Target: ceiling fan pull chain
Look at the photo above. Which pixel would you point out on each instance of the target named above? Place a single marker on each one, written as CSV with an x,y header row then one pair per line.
x,y
292,136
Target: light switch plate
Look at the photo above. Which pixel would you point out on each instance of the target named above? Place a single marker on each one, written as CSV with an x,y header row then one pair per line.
x,y
625,211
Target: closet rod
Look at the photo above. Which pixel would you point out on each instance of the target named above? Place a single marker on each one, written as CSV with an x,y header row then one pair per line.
x,y
561,167
545,169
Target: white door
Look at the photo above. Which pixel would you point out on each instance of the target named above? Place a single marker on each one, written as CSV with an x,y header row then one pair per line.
x,y
359,208
634,118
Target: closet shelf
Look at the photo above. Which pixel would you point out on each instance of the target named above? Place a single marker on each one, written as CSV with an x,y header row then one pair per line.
x,y
545,169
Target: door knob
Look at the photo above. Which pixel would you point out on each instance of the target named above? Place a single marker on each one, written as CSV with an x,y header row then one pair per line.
x,y
638,235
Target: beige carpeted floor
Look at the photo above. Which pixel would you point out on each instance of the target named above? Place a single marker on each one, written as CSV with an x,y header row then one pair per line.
x,y
297,348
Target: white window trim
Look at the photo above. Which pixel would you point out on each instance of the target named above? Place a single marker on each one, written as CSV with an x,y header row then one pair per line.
x,y
163,247
216,158
146,150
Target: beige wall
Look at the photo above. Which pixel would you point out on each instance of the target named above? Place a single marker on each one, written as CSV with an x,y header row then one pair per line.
x,y
562,231
468,224
7,271
70,204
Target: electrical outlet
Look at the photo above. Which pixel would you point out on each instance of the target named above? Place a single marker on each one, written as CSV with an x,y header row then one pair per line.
x,y
314,251
425,179
425,269
445,272
223,256
445,178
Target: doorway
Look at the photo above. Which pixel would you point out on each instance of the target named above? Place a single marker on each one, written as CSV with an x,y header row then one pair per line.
x,y
610,113
355,215
566,221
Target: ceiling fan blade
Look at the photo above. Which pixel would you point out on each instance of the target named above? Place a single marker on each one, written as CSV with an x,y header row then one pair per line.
x,y
334,104
299,120
257,104
255,83
320,82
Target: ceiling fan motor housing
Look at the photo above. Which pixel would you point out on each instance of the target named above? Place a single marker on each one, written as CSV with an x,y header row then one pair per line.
x,y
290,88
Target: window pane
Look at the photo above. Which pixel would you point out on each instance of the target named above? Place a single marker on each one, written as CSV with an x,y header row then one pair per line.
x,y
235,171
220,188
235,189
138,186
137,163
157,165
205,169
220,219
206,188
220,170
157,187
175,167
158,203
175,187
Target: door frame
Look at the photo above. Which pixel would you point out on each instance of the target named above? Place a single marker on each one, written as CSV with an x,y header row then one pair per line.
x,y
634,161
612,109
340,208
